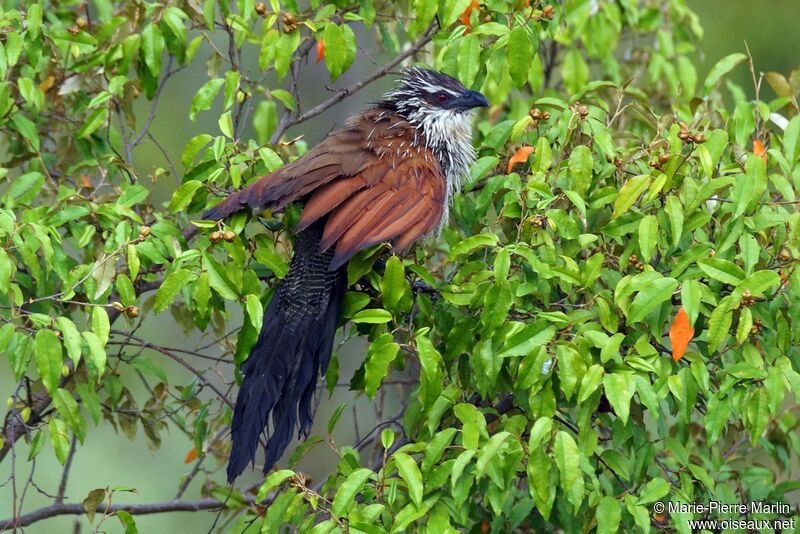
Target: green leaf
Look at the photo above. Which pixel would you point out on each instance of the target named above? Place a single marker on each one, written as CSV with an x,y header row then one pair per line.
x,y
591,381
424,10
380,354
7,269
254,311
204,98
648,236
580,168
519,55
133,261
719,324
71,337
472,243
674,211
49,358
152,47
100,323
183,195
335,50
619,388
608,515
720,69
347,491
274,480
565,451
654,490
173,18
64,402
218,278
724,271
34,19
452,10
284,50
490,450
372,316
95,120
127,521
393,283
27,129
409,471
193,147
758,282
574,70
469,52
651,296
59,438
96,356
170,288
630,193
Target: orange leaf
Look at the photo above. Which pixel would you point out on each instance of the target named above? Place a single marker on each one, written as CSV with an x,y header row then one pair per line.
x,y
520,156
759,149
467,12
191,456
320,50
680,333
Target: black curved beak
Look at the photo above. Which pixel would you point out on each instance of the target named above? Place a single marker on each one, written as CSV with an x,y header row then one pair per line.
x,y
472,99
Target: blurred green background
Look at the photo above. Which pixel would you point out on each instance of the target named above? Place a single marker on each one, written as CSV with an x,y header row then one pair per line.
x,y
768,27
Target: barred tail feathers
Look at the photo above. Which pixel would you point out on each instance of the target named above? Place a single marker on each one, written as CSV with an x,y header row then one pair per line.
x,y
293,349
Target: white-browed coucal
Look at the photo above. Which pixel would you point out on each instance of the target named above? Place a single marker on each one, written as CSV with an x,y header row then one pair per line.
x,y
387,176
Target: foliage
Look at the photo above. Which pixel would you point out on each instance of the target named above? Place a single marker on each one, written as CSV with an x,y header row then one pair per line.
x,y
537,324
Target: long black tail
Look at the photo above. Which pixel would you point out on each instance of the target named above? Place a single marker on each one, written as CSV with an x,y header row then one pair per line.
x,y
293,348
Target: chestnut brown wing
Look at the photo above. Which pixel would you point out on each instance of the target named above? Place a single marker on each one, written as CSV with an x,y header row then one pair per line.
x,y
372,179
404,204
347,152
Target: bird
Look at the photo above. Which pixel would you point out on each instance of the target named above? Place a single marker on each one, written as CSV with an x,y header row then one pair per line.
x,y
387,176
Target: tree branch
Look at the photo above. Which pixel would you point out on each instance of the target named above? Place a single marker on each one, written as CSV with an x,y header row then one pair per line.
x,y
55,510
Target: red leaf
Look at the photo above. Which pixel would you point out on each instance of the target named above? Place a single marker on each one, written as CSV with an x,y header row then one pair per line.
x,y
320,50
467,12
520,156
680,333
191,456
759,149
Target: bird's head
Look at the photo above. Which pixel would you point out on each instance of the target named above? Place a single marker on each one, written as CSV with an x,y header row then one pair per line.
x,y
424,95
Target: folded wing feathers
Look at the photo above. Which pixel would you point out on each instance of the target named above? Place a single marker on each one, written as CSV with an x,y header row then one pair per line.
x,y
370,193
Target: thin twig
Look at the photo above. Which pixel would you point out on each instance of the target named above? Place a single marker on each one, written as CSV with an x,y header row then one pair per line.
x,y
55,510
62,487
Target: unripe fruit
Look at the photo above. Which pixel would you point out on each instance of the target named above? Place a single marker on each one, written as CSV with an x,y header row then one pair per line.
x,y
684,135
699,138
785,255
663,158
228,235
132,312
144,231
261,9
216,236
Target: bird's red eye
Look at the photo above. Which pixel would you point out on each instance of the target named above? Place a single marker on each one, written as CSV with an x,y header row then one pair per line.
x,y
441,98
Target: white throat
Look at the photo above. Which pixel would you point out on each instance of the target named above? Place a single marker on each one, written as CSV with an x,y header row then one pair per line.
x,y
448,134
